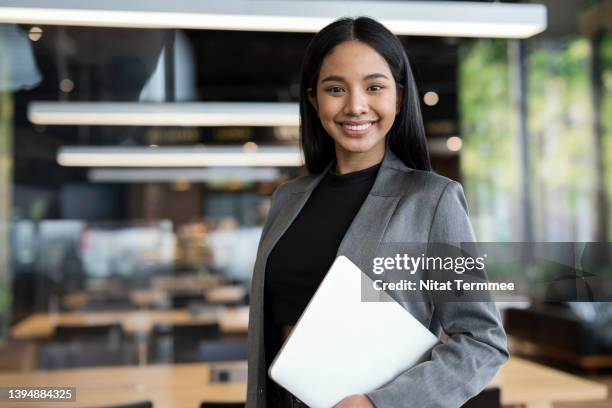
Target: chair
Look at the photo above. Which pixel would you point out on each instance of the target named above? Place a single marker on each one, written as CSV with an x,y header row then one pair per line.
x,y
86,346
117,302
56,356
184,300
544,326
223,350
180,343
489,398
109,334
227,373
140,404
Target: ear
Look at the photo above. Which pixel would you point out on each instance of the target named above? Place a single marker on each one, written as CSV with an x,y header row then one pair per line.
x,y
400,101
313,99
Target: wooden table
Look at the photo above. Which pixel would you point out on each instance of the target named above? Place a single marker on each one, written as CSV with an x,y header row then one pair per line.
x,y
75,300
532,385
186,283
159,295
522,383
226,294
136,322
145,298
181,385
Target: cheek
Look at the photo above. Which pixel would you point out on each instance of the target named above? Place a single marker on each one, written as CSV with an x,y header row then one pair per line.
x,y
329,108
387,109
391,104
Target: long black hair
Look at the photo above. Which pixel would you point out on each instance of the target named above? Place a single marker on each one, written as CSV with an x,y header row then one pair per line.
x,y
407,135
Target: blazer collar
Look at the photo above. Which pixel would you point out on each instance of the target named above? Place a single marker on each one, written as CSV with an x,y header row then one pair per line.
x,y
384,184
368,227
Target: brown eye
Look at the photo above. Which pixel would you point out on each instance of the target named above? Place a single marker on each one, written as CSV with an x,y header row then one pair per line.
x,y
376,88
334,89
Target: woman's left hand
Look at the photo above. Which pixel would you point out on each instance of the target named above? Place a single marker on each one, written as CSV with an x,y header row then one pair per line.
x,y
355,401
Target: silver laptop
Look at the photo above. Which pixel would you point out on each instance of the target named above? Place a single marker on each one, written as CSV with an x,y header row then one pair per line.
x,y
342,346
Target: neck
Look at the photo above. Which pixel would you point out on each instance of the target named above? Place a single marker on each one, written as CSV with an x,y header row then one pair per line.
x,y
348,163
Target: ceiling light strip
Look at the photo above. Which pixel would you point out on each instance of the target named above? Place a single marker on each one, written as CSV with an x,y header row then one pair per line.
x,y
210,175
164,114
223,156
431,18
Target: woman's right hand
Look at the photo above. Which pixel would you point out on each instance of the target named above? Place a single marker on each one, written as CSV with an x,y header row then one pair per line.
x,y
355,401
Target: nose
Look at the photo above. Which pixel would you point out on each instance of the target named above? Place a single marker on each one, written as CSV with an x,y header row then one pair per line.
x,y
356,103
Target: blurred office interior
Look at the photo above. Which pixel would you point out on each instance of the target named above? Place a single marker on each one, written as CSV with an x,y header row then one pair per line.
x,y
138,157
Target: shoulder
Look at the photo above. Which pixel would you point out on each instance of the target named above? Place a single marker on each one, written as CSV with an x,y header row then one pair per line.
x,y
431,181
445,189
438,202
426,187
433,205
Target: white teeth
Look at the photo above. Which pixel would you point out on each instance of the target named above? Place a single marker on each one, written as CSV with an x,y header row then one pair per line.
x,y
358,127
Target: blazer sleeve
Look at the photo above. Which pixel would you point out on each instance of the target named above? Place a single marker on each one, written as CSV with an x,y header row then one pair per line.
x,y
460,368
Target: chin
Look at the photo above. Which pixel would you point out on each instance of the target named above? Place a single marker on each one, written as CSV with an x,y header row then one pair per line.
x,y
358,146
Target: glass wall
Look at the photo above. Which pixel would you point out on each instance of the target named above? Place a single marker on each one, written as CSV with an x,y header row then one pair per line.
x,y
94,236
152,247
606,116
489,127
6,184
561,139
114,252
562,154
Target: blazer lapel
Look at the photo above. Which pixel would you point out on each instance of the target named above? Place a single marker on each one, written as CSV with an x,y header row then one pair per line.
x,y
365,233
291,208
367,229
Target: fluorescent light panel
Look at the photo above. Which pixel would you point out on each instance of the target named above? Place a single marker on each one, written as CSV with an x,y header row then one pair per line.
x,y
164,114
432,18
210,175
224,156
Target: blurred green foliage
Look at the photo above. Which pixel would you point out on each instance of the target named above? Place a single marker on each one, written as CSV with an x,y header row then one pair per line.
x,y
561,139
489,121
561,148
6,180
606,114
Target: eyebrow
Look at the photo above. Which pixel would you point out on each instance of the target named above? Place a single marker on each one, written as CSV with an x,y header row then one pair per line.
x,y
338,78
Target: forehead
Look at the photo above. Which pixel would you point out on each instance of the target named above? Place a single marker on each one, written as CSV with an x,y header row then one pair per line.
x,y
353,59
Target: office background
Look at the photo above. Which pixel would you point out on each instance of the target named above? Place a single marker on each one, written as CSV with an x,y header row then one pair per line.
x,y
137,164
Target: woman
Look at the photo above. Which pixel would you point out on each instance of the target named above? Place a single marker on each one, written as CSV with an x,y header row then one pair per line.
x,y
370,182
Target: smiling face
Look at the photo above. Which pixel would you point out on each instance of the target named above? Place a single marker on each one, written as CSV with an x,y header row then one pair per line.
x,y
357,101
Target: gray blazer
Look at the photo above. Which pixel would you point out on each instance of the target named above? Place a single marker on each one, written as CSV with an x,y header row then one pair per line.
x,y
404,205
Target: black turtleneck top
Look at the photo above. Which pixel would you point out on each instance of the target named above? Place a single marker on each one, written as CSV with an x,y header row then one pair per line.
x,y
303,255
301,258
